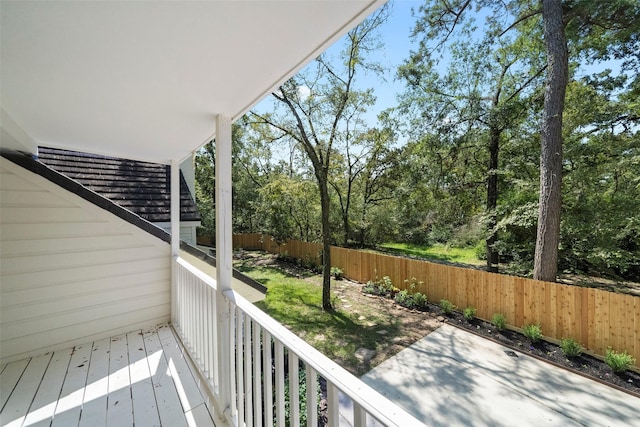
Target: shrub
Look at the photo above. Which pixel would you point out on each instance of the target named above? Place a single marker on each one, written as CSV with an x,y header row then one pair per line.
x,y
420,300
469,313
382,286
570,347
618,362
533,332
447,306
404,299
499,321
337,273
370,288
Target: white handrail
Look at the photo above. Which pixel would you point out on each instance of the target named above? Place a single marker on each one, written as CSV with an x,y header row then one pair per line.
x,y
195,333
362,394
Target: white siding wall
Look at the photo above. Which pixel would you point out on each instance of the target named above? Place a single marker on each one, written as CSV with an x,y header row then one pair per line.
x,y
71,272
187,230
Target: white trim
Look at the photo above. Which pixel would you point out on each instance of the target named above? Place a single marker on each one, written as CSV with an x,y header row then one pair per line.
x,y
14,137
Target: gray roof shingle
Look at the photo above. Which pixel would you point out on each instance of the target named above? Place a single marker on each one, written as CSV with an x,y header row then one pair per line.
x,y
141,187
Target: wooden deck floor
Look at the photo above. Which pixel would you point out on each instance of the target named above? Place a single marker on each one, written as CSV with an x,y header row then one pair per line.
x,y
137,379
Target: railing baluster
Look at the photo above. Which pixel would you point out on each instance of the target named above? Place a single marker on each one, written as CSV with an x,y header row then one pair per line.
x,y
201,327
248,365
312,396
268,378
294,391
333,404
359,415
279,384
257,374
214,341
207,330
239,366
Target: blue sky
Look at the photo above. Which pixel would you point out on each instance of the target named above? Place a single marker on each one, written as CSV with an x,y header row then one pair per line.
x,y
395,34
397,45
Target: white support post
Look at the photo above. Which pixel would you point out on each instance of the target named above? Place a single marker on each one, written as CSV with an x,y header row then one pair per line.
x,y
175,231
223,264
223,203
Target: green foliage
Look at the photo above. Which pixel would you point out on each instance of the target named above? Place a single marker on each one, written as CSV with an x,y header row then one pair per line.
x,y
420,301
404,298
447,306
618,362
570,347
337,273
469,313
382,286
438,252
499,321
533,332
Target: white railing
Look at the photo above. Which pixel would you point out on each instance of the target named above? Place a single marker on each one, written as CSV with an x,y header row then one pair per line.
x,y
227,336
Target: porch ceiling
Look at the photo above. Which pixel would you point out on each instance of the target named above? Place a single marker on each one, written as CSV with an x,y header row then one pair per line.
x,y
144,80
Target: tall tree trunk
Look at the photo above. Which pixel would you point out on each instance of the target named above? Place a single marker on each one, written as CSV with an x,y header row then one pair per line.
x,y
545,262
326,245
492,198
345,225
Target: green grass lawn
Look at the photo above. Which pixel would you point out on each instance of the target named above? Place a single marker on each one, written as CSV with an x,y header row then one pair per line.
x,y
297,304
437,252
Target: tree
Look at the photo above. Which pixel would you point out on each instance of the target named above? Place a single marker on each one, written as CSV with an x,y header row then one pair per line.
x,y
545,262
317,103
485,88
596,30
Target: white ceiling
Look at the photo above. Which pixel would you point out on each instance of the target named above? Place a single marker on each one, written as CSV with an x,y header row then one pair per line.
x,y
145,79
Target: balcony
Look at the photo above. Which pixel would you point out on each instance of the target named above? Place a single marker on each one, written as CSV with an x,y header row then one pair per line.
x,y
221,362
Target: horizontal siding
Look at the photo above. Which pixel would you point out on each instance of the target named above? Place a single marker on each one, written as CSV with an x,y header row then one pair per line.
x,y
71,271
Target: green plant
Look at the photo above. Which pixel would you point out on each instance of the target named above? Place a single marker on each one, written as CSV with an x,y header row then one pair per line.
x,y
499,321
618,362
447,306
533,332
382,286
404,298
420,300
337,273
370,288
570,347
469,313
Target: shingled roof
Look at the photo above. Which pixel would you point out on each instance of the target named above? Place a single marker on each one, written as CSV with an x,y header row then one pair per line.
x,y
141,187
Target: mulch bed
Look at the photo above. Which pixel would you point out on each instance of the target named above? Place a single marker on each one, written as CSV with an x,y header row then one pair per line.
x,y
585,364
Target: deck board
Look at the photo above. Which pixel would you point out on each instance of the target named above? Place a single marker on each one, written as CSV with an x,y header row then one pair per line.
x,y
169,407
145,409
188,391
44,404
94,402
17,406
119,404
69,404
141,378
9,378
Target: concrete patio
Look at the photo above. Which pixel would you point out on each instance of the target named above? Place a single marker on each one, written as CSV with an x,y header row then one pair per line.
x,y
454,378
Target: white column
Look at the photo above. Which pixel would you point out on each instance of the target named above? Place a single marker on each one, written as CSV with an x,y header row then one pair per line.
x,y
226,347
223,203
175,230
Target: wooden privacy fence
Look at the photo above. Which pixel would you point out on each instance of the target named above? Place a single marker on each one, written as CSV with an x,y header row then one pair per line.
x,y
597,319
